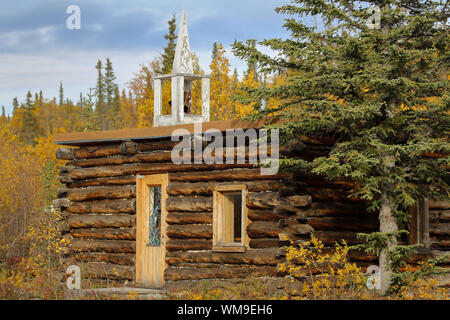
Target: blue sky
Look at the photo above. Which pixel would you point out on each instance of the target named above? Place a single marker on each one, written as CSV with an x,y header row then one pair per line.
x,y
37,51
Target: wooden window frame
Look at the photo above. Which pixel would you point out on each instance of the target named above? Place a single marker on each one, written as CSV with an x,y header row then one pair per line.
x,y
419,232
219,220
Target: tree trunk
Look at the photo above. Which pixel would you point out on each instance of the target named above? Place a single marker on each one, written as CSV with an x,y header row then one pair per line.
x,y
387,224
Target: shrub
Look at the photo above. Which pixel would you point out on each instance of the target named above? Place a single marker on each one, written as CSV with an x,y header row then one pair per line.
x,y
324,275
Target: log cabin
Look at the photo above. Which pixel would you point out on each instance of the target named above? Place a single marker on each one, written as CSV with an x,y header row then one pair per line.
x,y
133,211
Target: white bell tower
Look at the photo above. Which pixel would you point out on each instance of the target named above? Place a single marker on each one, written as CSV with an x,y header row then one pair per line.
x,y
182,77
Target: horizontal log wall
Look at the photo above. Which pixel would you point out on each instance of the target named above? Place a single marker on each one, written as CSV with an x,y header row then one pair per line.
x,y
285,208
440,226
98,201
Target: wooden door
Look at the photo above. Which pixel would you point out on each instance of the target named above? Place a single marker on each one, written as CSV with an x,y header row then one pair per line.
x,y
151,230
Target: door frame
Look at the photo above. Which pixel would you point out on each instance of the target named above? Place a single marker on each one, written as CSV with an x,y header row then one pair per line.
x,y
150,260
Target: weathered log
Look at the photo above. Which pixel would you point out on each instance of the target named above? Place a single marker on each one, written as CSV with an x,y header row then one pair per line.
x,y
267,200
101,193
112,246
61,203
104,171
186,245
269,229
156,145
65,154
104,206
439,205
101,270
144,168
440,242
189,218
251,256
265,215
97,151
111,181
198,204
224,175
64,179
275,215
440,229
357,256
62,192
176,274
66,168
129,154
105,233
319,209
327,194
207,188
190,231
266,243
114,258
362,223
128,148
160,156
101,221
115,149
298,230
331,237
317,181
263,229
439,215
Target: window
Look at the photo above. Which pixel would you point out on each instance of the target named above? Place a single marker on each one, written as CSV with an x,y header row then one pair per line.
x,y
420,223
230,219
154,238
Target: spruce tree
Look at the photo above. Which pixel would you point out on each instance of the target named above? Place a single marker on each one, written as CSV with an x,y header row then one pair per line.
x,y
100,106
252,64
109,83
61,94
3,112
81,101
381,93
215,51
88,113
116,110
15,103
169,51
30,128
110,98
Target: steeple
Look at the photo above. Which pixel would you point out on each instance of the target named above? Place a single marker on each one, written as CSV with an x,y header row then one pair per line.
x,y
182,77
182,63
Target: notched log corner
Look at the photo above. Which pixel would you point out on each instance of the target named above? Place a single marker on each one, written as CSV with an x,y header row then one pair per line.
x,y
61,203
65,154
128,148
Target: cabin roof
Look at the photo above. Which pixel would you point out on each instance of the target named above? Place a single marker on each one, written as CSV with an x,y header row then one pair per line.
x,y
155,133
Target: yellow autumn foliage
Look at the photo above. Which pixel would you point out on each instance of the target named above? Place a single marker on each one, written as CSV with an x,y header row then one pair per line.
x,y
30,241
